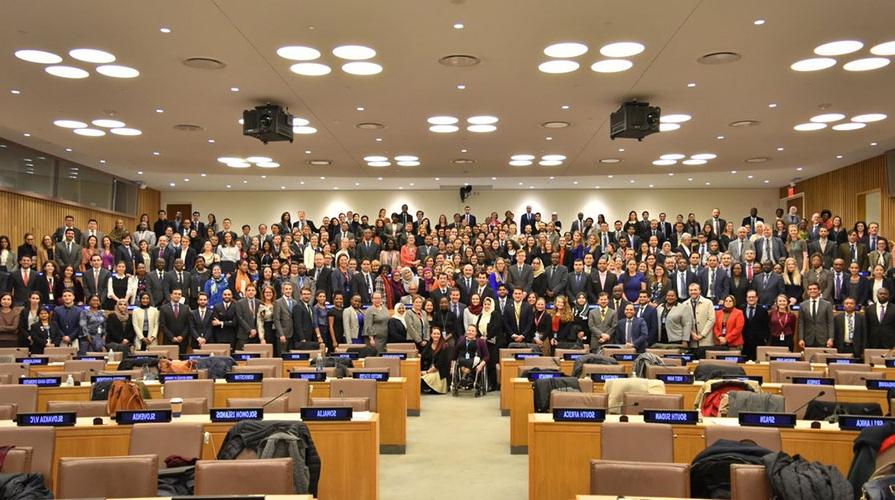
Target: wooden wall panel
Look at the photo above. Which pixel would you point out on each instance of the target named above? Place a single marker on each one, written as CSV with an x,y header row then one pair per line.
x,y
148,202
838,191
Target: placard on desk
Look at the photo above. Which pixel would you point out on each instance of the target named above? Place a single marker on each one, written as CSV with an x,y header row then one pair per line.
x,y
859,422
675,417
345,355
235,414
168,377
843,361
685,358
89,358
675,378
784,359
754,378
624,357
572,356
295,356
128,417
245,356
41,381
734,358
533,375
243,377
109,378
601,378
190,357
394,355
814,380
525,355
588,415
880,385
890,362
33,361
370,375
309,376
767,419
323,414
47,419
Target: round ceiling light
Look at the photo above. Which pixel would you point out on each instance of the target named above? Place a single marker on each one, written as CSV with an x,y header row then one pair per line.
x,y
672,156
38,56
104,123
866,64
675,118
304,130
126,131
408,163
611,65
444,129
362,68
406,158
268,164
522,157
299,122
117,71
442,120
481,129
838,48
622,49
379,163
664,163
92,56
884,49
67,72
558,66
239,164
610,160
69,124
554,157
229,159
258,159
694,162
704,156
849,126
89,132
354,52
298,53
668,127
555,124
828,117
310,69
520,163
482,120
869,117
813,64
375,158
549,163
565,50
810,126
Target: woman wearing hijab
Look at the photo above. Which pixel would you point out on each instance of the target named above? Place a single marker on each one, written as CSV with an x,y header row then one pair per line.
x,y
397,325
120,334
472,311
490,327
580,310
539,283
408,279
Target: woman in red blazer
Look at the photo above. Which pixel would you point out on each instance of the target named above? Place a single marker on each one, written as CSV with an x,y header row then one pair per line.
x,y
729,322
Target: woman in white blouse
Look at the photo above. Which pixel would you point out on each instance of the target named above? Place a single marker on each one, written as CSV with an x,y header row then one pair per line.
x,y
145,321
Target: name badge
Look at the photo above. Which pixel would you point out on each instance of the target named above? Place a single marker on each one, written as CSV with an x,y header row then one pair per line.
x,y
190,357
744,378
880,385
813,381
571,356
242,377
590,415
33,361
843,361
54,419
41,381
785,359
624,357
526,355
532,376
236,414
167,377
327,414
676,417
109,378
127,417
296,356
243,356
858,422
394,355
309,376
758,419
601,378
345,355
675,378
377,376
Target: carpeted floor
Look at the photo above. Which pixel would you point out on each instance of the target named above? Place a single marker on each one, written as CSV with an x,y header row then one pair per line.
x,y
457,450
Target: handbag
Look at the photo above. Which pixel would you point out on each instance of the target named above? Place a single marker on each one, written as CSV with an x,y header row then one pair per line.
x,y
881,485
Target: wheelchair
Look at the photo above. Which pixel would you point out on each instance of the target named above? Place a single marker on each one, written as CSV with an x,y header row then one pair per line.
x,y
475,381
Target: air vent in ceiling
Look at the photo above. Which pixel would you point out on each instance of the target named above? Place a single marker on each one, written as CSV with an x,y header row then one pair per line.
x,y
370,126
459,60
722,57
555,124
320,163
204,63
463,161
744,123
187,127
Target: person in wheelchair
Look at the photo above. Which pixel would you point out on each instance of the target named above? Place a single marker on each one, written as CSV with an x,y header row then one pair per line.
x,y
468,360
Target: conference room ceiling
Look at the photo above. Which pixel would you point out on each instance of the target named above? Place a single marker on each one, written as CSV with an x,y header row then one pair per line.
x,y
188,116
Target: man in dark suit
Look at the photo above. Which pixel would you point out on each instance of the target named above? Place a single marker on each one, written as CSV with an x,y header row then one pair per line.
x,y
577,281
751,220
162,252
162,223
713,280
200,322
853,251
527,219
186,253
769,248
68,251
617,300
442,289
341,278
631,330
303,328
69,223
815,320
827,248
483,288
363,283
768,284
850,329
520,274
601,280
22,282
302,222
178,278
716,222
427,249
466,283
557,278
647,313
322,275
366,248
174,322
880,319
756,328
96,278
468,218
282,319
247,318
224,320
682,278
125,253
157,283
665,226
518,319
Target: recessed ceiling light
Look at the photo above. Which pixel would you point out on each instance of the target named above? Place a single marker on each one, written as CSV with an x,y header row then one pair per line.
x,y
408,164
379,178
382,163
631,181
520,183
282,187
675,118
610,176
258,159
458,26
758,22
104,123
838,48
310,69
621,150
375,158
520,163
245,182
379,139
165,29
230,159
362,68
766,181
307,151
322,178
354,52
610,160
464,150
874,144
799,169
239,164
482,120
689,179
884,49
139,172
117,71
38,56
548,138
813,64
494,178
406,158
359,108
838,157
103,162
229,186
622,49
733,171
719,137
750,176
203,175
611,65
556,124
187,180
694,162
553,157
444,129
300,182
463,161
757,159
67,72
92,56
551,177
126,131
442,120
481,128
672,156
15,92
211,141
704,156
668,127
575,182
68,150
849,126
69,124
156,153
461,87
869,117
26,134
558,66
522,157
549,163
664,163
772,105
298,53
565,50
172,184
828,117
89,132
810,126
268,164
780,149
304,130
159,110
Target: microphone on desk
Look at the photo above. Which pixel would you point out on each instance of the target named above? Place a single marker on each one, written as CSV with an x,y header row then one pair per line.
x,y
623,418
278,396
816,396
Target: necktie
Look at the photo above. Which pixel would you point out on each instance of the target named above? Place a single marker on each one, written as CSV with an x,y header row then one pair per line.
x,y
838,285
882,312
693,303
767,249
517,306
711,283
751,312
289,305
68,246
25,276
851,327
176,309
749,272
854,253
628,332
96,277
814,308
577,278
179,277
765,279
252,307
640,312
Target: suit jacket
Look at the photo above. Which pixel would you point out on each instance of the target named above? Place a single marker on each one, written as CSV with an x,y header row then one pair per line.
x,y
880,334
599,324
189,259
520,279
639,333
777,250
527,220
485,292
370,252
129,259
830,251
769,289
201,327
417,328
597,287
557,277
360,287
678,322
525,325
227,316
166,253
576,284
756,330
689,277
721,224
171,283
650,318
720,287
86,234
172,326
303,324
747,221
859,340
824,280
282,317
816,330
156,287
339,285
705,321
246,320
64,257
737,249
846,254
466,291
873,259
91,287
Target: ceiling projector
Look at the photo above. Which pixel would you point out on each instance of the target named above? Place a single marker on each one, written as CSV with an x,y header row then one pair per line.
x,y
268,123
634,120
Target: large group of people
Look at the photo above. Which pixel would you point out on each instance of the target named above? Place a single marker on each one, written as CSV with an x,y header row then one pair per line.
x,y
461,286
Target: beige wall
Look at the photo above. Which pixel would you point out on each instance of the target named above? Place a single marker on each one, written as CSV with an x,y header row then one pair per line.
x,y
254,207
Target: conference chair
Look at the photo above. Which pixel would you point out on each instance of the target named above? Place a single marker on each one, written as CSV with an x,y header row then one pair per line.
x,y
18,460
558,353
763,351
165,440
81,408
857,378
810,352
786,376
76,375
749,482
277,406
23,396
266,370
585,400
542,362
271,476
357,404
85,366
652,371
7,411
877,356
822,357
774,368
764,437
628,478
15,352
104,477
295,400
796,395
834,368
110,355
190,389
587,369
508,353
277,363
610,350
637,442
41,440
168,351
392,364
617,388
5,379
217,349
586,385
60,353
266,350
354,388
661,351
720,354
408,348
14,370
672,362
651,402
191,406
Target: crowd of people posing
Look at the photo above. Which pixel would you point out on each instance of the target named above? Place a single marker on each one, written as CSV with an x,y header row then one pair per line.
x,y
398,278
